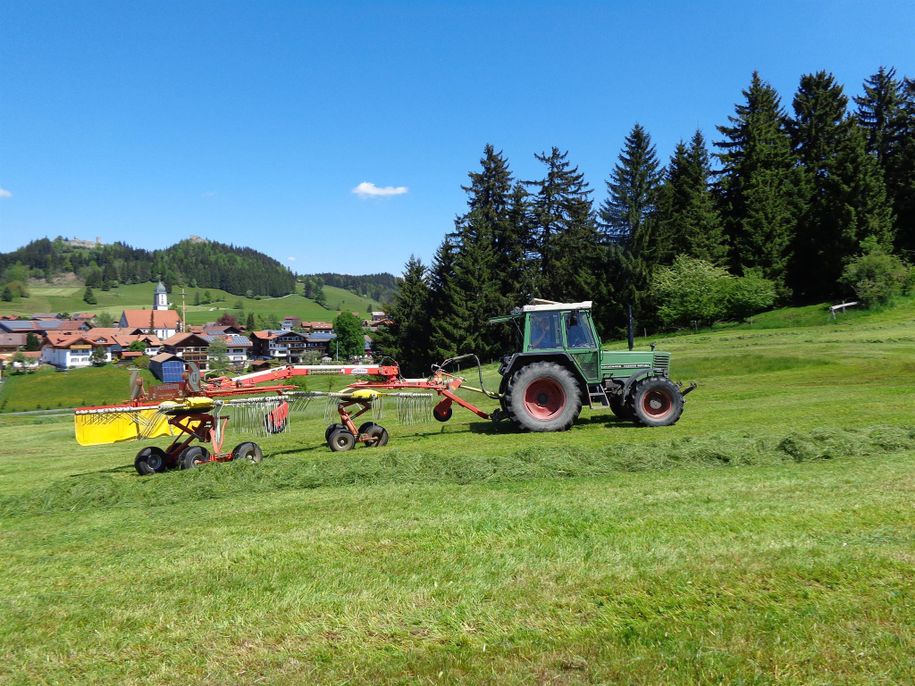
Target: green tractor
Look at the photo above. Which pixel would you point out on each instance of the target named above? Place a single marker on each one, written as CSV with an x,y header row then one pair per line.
x,y
561,368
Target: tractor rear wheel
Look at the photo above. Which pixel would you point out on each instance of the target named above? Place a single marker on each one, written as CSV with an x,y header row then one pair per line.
x,y
543,396
150,460
657,401
248,451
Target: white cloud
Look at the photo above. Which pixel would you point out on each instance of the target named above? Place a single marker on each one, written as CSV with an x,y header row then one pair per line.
x,y
5,193
367,189
290,259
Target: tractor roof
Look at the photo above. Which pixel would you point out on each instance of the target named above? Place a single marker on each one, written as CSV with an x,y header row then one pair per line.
x,y
539,305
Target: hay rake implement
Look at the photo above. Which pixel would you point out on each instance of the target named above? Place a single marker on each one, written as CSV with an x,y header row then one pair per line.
x,y
193,412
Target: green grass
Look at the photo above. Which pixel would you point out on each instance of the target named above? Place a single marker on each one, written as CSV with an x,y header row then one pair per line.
x,y
135,296
767,538
49,389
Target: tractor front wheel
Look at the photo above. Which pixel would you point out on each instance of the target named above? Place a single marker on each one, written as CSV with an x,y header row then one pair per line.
x,y
657,402
150,460
543,396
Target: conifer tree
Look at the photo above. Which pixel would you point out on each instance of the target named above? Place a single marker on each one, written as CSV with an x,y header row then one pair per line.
x,y
846,198
688,219
757,185
901,175
563,227
628,214
441,306
880,114
407,338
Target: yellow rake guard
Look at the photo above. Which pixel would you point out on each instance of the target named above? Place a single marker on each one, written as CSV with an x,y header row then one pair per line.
x,y
114,427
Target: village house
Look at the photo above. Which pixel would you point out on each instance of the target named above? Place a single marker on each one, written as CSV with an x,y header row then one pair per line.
x,y
190,347
12,342
279,345
290,323
238,347
31,360
312,327
73,349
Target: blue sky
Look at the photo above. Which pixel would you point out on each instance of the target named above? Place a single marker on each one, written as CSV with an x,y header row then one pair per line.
x,y
253,122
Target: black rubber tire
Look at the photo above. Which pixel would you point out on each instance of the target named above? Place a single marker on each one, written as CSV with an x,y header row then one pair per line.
x,y
657,401
442,416
341,440
249,451
150,460
561,390
192,456
621,408
376,432
330,429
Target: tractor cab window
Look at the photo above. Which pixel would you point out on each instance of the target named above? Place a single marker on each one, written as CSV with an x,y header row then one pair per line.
x,y
544,330
578,331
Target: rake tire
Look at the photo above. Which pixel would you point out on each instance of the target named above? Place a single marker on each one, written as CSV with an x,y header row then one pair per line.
x,y
341,440
249,451
150,460
192,456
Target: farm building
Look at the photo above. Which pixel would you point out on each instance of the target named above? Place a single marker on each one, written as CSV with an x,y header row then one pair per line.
x,y
167,367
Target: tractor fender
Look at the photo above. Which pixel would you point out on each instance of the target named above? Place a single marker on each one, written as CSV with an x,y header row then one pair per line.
x,y
638,376
511,364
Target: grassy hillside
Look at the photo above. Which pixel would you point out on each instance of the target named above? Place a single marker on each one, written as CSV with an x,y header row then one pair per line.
x,y
70,299
766,538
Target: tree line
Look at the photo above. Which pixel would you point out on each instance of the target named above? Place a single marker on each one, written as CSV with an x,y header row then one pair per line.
x,y
194,263
782,205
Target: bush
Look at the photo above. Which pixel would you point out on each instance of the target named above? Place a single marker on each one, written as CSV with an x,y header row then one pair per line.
x,y
748,294
875,275
694,290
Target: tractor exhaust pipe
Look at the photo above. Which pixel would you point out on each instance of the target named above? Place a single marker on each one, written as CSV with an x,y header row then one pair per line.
x,y
630,327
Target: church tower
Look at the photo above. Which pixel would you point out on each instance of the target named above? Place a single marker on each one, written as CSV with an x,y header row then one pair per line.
x,y
160,298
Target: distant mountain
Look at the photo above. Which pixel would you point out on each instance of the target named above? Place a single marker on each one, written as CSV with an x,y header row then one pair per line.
x,y
194,262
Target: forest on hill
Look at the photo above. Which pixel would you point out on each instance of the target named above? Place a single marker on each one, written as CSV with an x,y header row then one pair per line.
x,y
192,262
790,207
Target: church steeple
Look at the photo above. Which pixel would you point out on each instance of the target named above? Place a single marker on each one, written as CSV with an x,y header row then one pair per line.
x,y
160,297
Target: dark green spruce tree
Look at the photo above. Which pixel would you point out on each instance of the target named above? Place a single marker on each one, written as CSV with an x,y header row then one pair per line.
x,y
628,215
628,220
407,338
688,219
565,235
757,185
843,187
902,180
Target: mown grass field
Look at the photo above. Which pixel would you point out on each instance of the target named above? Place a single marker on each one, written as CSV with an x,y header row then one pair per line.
x,y
135,296
766,538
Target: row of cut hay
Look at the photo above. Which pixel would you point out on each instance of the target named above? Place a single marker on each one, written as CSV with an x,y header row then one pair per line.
x,y
365,468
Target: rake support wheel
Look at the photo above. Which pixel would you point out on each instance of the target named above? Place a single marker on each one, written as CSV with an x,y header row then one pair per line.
x,y
192,456
150,460
657,401
341,440
248,451
543,396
